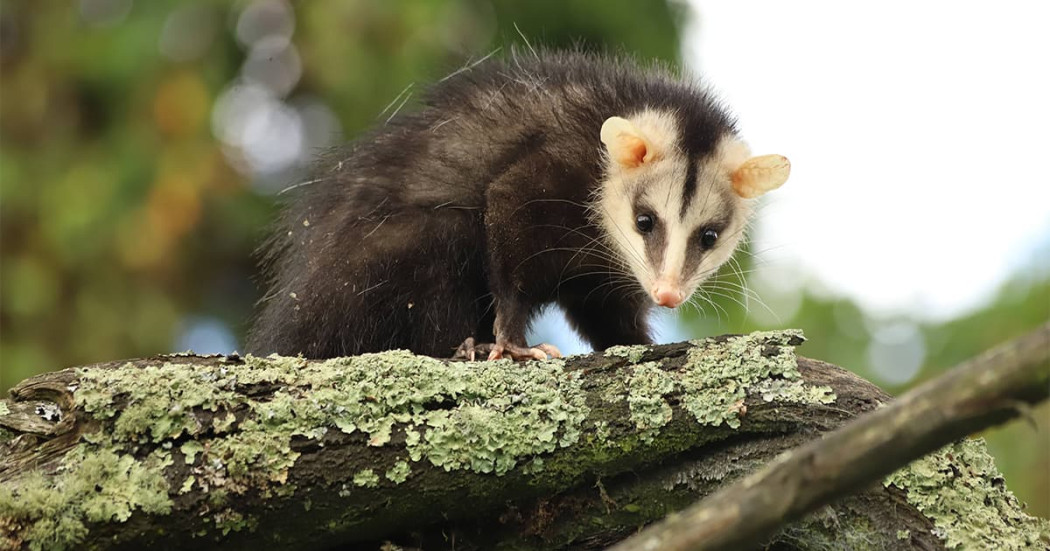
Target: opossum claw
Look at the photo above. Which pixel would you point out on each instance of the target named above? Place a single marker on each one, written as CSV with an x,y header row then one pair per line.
x,y
550,349
518,353
469,350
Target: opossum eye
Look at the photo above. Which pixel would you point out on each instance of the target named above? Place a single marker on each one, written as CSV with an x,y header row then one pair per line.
x,y
644,223
708,238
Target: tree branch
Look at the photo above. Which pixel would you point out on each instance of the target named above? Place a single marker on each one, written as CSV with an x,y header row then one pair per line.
x,y
980,393
188,451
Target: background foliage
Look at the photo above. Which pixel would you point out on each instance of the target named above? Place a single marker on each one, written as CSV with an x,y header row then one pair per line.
x,y
142,143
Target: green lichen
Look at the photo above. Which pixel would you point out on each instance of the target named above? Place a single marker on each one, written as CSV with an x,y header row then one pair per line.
x,y
155,412
223,423
615,392
92,486
366,478
647,385
497,412
489,415
903,534
272,369
632,353
962,492
187,484
796,392
717,378
399,472
190,449
254,456
4,410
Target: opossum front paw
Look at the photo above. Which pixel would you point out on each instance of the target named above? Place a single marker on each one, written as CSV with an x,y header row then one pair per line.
x,y
518,353
471,350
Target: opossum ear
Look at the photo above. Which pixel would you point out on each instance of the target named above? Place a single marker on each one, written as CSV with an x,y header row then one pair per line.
x,y
759,175
625,143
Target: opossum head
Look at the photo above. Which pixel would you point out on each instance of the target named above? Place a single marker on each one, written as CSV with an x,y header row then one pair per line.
x,y
673,218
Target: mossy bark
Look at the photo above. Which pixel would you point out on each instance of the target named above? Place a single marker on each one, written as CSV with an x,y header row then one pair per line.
x,y
178,451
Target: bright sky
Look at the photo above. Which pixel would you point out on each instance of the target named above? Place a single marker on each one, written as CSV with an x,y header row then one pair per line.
x,y
917,131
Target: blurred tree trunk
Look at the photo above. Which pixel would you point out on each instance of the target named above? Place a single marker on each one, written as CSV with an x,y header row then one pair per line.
x,y
230,452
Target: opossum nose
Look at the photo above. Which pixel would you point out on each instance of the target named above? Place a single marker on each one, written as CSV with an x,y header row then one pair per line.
x,y
668,296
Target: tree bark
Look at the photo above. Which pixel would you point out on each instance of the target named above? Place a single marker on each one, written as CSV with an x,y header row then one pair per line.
x,y
230,452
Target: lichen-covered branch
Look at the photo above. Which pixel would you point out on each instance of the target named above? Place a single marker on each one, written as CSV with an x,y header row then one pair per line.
x,y
984,391
178,451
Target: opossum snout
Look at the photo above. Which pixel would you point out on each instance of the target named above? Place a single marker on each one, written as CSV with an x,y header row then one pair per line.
x,y
667,294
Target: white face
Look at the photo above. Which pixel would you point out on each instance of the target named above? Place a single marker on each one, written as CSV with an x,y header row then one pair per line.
x,y
671,241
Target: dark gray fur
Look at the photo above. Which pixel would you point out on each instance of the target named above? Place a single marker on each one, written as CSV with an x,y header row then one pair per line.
x,y
417,234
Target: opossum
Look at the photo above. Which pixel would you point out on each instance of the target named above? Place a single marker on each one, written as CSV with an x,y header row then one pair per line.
x,y
585,180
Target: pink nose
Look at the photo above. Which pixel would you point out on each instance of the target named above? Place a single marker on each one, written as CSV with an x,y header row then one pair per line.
x,y
668,296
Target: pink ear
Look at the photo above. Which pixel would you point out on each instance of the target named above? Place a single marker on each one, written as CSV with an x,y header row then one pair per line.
x,y
759,175
625,144
632,151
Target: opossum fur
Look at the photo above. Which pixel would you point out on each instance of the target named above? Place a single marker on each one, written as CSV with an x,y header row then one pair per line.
x,y
582,180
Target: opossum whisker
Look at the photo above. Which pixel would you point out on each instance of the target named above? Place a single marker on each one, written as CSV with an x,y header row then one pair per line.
x,y
697,307
717,308
631,287
743,283
614,286
608,275
715,291
748,294
741,287
631,250
546,250
756,253
750,297
592,241
738,271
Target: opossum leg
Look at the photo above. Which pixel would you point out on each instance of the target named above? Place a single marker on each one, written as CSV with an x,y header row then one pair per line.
x,y
509,327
